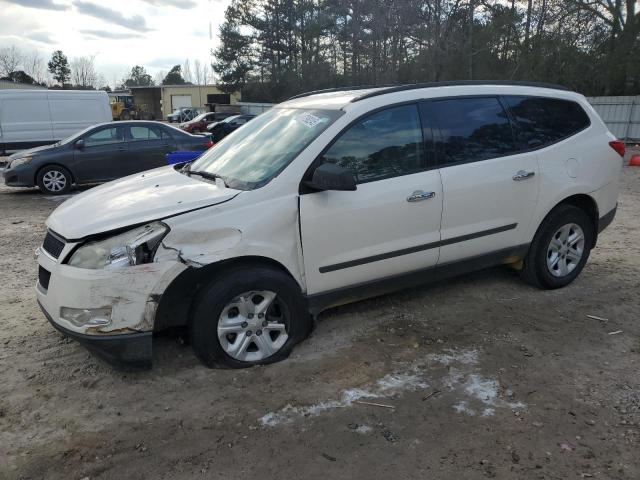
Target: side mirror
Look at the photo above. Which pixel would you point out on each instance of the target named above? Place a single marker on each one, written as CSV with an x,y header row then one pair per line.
x,y
330,176
79,145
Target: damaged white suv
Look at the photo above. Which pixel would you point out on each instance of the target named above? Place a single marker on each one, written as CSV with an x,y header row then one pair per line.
x,y
327,198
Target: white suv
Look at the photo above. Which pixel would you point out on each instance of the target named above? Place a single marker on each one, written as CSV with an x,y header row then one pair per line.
x,y
327,198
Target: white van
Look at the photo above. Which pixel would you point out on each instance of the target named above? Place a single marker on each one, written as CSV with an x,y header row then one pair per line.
x,y
30,118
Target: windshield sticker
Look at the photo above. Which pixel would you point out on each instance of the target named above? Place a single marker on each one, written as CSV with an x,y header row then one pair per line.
x,y
310,120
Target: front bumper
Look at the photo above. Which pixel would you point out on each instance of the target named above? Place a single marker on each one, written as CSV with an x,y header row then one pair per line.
x,y
18,176
126,352
132,294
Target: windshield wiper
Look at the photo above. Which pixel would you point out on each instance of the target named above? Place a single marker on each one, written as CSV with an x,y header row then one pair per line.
x,y
207,175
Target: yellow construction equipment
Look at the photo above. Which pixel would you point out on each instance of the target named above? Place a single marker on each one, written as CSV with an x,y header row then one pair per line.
x,y
123,108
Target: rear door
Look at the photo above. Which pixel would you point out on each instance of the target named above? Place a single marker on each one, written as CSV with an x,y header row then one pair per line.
x,y
391,224
147,147
490,188
104,156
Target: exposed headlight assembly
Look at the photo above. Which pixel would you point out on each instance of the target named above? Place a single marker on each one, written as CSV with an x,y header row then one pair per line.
x,y
21,161
134,247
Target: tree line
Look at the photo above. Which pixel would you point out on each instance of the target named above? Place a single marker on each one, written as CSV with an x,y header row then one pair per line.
x,y
272,49
81,72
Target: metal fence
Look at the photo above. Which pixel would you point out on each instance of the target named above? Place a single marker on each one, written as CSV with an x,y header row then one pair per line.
x,y
254,108
621,114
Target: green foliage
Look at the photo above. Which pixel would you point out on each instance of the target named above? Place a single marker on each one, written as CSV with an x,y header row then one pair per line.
x,y
59,67
19,76
138,78
174,77
272,49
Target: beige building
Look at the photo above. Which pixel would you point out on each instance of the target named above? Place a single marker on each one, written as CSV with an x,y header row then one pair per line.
x,y
163,99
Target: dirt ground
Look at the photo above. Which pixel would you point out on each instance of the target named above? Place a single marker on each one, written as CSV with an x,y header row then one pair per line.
x,y
485,377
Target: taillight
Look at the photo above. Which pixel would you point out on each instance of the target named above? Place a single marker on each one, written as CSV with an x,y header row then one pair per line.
x,y
618,146
208,144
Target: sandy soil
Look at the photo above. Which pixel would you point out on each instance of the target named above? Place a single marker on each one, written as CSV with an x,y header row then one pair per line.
x,y
486,377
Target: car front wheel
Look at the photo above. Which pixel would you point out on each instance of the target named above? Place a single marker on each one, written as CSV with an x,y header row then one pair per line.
x,y
54,180
248,316
560,248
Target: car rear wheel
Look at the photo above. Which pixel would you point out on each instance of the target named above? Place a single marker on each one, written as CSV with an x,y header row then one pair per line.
x,y
54,180
560,248
248,316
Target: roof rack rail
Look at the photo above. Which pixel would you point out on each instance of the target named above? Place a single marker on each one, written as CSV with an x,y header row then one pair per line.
x,y
339,89
400,88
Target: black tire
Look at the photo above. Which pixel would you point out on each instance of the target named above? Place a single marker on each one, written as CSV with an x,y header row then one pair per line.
x,y
535,270
213,298
56,171
125,115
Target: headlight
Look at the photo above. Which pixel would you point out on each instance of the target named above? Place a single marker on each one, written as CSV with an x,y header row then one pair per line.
x,y
21,161
134,247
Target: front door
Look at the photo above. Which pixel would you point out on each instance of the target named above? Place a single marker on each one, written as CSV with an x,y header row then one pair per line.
x,y
103,157
490,189
391,223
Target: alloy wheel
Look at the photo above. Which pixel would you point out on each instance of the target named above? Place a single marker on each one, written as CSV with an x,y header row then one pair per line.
x,y
565,250
54,181
253,326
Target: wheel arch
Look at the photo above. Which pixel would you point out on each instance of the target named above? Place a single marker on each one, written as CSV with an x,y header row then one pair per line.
x,y
52,164
584,202
175,304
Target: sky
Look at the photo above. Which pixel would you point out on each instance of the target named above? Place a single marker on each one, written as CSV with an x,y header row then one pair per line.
x,y
156,34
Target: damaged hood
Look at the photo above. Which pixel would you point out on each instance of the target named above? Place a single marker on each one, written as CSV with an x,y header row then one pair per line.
x,y
140,198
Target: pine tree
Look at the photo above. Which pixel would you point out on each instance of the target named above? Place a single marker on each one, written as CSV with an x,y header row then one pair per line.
x,y
59,67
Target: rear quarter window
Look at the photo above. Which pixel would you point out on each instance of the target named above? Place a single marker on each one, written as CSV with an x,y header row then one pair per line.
x,y
543,121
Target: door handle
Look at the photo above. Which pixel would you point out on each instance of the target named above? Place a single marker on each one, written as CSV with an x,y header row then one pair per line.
x,y
523,175
121,149
420,195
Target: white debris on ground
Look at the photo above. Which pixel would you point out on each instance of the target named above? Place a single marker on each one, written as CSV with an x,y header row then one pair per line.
x,y
385,387
364,429
481,394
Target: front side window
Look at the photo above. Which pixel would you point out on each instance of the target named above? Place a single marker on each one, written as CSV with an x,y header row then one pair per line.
x,y
543,121
252,155
472,129
144,133
105,136
382,145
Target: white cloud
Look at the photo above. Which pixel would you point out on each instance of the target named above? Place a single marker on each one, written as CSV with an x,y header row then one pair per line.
x,y
41,4
134,22
156,34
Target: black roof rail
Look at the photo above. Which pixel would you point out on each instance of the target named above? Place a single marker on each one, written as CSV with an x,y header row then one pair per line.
x,y
414,86
339,89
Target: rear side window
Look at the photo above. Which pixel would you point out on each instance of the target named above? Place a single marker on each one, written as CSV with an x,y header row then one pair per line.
x,y
382,145
543,121
472,129
144,133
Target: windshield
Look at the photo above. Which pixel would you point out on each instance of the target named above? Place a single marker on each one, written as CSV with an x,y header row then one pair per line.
x,y
252,155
